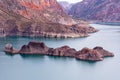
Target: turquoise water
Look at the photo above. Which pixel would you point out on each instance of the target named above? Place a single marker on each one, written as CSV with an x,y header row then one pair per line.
x,y
37,67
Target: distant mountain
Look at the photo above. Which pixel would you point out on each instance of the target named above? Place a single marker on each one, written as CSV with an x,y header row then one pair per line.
x,y
38,18
101,10
66,5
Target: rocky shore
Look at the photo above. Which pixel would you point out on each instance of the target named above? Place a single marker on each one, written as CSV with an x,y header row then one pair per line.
x,y
95,54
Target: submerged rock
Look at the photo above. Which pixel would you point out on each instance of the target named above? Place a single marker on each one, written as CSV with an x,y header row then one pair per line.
x,y
95,54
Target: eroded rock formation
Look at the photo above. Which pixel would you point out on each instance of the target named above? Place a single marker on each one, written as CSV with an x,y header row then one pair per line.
x,y
95,54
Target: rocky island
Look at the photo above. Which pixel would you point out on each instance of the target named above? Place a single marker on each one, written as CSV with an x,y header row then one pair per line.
x,y
95,54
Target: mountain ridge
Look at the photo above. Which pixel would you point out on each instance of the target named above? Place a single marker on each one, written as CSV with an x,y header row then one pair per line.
x,y
100,10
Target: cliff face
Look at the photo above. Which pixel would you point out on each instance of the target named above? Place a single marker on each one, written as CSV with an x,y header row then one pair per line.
x,y
34,9
66,6
38,18
101,10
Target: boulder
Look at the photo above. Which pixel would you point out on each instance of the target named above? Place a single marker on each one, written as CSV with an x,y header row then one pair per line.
x,y
9,49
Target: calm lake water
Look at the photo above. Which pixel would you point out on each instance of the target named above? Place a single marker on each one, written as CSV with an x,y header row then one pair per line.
x,y
36,67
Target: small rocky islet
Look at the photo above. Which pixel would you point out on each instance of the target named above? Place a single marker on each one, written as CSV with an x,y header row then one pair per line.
x,y
95,54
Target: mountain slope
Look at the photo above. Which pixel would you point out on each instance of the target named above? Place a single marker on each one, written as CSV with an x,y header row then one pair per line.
x,y
101,10
38,18
66,6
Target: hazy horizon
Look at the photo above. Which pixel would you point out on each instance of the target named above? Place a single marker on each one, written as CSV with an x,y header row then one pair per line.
x,y
71,1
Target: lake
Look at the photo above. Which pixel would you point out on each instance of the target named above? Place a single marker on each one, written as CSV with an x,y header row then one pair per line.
x,y
37,67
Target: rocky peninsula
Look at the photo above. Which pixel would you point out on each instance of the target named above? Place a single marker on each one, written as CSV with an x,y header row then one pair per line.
x,y
39,18
95,54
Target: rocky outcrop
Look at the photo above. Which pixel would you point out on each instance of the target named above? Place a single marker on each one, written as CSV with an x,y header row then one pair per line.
x,y
95,54
9,48
34,47
98,10
44,18
104,53
65,51
89,54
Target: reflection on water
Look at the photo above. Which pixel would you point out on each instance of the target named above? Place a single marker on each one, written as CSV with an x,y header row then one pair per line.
x,y
57,58
31,56
9,54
